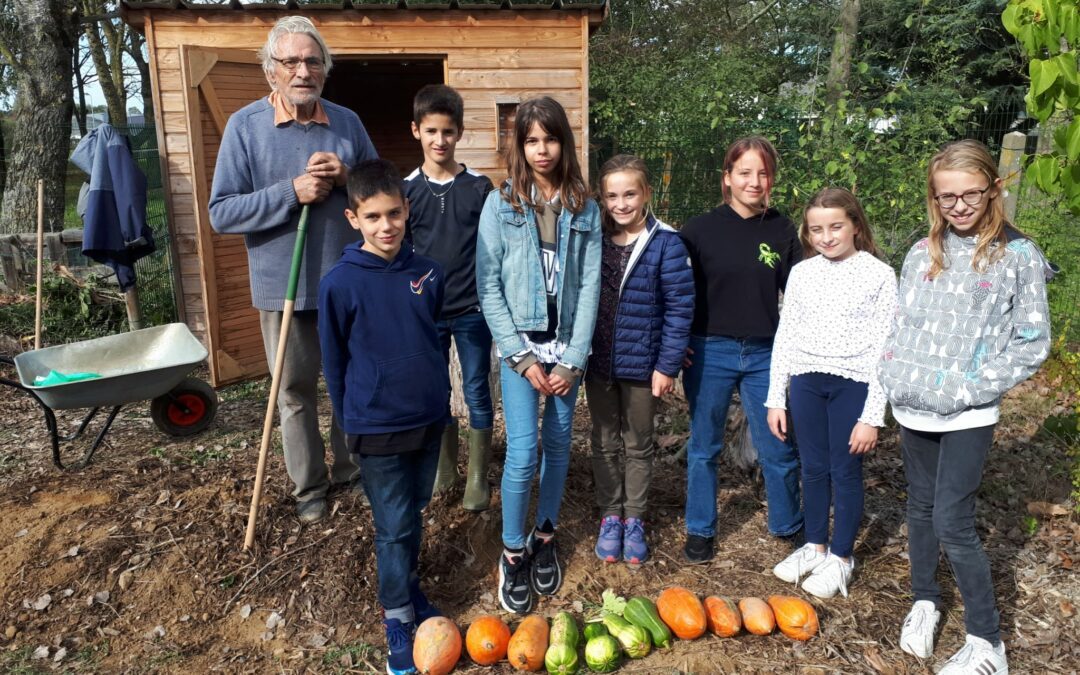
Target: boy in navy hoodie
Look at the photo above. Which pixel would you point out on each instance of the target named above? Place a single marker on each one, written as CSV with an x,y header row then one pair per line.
x,y
388,383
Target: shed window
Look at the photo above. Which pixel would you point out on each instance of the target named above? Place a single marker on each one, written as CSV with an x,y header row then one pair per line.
x,y
507,113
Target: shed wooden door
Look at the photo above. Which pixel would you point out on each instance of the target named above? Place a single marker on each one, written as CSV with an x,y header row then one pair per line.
x,y
217,83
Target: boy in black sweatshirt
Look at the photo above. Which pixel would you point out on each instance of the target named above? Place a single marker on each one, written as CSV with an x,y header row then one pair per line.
x,y
388,383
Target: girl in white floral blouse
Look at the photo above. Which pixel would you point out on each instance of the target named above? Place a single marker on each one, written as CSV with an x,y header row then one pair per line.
x,y
838,308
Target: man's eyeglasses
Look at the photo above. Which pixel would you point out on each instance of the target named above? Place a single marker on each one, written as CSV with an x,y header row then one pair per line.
x,y
314,63
971,198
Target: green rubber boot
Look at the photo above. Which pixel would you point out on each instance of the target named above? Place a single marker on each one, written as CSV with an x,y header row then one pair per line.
x,y
446,474
477,491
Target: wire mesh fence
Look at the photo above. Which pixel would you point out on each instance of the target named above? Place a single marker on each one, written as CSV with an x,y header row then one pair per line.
x,y
686,167
153,273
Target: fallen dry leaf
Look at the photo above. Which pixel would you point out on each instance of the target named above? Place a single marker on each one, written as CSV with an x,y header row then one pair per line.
x,y
1047,509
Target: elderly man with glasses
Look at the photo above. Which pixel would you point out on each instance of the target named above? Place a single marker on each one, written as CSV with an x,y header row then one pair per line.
x,y
279,153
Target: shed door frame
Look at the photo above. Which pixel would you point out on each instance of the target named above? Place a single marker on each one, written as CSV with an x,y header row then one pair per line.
x,y
196,63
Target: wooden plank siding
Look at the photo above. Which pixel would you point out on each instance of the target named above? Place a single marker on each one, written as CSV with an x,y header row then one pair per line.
x,y
489,57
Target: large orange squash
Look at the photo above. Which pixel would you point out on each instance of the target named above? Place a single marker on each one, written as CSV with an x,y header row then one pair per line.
x,y
529,643
682,612
795,617
437,646
722,616
487,640
757,616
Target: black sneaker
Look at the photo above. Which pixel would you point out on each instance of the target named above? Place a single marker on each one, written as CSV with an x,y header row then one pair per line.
x,y
515,593
698,549
546,572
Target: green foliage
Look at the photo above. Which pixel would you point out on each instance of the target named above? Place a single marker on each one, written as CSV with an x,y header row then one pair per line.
x,y
878,149
72,310
1048,31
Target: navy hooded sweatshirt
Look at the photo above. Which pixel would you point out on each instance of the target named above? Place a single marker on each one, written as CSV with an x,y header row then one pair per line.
x,y
380,350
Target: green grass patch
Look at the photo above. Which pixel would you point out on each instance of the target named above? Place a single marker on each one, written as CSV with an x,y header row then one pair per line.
x,y
339,658
20,662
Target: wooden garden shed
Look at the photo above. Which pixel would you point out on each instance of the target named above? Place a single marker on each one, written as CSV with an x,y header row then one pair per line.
x,y
203,67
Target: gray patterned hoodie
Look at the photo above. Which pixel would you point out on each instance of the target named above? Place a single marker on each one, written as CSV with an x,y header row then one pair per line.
x,y
962,340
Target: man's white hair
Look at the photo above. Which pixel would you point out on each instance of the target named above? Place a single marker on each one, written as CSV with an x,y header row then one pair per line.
x,y
292,25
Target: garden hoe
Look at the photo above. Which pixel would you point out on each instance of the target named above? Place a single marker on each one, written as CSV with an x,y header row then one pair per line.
x,y
275,381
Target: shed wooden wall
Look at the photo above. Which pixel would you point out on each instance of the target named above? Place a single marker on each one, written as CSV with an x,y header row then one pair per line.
x,y
491,56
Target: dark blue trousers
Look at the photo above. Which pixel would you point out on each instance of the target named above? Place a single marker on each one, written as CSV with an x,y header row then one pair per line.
x,y
824,410
944,471
398,487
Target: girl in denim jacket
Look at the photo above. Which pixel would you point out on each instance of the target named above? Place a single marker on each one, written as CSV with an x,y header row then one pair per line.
x,y
538,278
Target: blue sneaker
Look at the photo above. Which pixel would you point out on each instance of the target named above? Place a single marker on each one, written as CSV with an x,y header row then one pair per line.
x,y
634,549
399,645
609,545
423,609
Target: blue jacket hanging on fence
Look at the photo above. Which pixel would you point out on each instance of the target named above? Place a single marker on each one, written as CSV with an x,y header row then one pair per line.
x,y
115,232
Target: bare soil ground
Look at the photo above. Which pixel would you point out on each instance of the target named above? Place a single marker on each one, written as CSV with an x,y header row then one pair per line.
x,y
135,564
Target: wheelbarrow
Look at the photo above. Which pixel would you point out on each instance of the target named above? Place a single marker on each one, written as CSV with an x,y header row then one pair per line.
x,y
152,363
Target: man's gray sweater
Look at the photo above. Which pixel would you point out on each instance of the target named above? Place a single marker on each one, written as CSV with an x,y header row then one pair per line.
x,y
252,194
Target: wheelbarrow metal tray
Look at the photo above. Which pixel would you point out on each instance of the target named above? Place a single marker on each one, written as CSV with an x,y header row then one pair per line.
x,y
134,366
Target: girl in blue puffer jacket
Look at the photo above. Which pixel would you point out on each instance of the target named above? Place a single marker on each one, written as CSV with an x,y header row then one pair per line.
x,y
642,331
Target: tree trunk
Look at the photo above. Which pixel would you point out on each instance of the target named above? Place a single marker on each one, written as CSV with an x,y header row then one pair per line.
x,y
136,53
107,62
843,49
80,89
3,165
42,114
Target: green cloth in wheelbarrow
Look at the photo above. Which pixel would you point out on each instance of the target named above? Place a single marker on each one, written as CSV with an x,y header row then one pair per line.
x,y
56,377
134,366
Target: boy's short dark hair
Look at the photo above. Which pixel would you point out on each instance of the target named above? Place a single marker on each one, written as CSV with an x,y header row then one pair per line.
x,y
374,177
439,99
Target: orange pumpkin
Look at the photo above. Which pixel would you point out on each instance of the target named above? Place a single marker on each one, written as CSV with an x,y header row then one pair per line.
x,y
682,612
487,640
529,643
722,616
795,617
757,616
437,646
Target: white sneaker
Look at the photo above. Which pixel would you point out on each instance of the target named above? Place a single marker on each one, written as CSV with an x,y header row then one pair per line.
x,y
917,635
802,561
977,657
829,577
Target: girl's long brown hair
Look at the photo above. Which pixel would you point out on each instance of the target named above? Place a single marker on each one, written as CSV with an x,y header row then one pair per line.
x,y
552,118
839,198
629,164
971,156
758,144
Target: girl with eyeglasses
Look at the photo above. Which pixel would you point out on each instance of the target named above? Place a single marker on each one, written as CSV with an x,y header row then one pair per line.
x,y
973,323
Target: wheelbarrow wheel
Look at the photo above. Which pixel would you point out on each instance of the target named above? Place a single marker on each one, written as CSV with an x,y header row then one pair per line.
x,y
186,410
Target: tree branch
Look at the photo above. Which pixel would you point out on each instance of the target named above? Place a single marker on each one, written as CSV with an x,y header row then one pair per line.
x,y
760,13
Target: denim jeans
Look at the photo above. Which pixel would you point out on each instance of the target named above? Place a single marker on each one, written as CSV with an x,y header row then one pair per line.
x,y
944,471
473,341
398,487
719,364
521,409
824,410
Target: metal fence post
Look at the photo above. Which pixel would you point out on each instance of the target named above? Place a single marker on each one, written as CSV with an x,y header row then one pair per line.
x,y
1012,151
